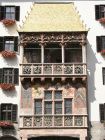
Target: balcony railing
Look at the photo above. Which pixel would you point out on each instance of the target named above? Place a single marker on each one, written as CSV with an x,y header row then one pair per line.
x,y
57,69
53,121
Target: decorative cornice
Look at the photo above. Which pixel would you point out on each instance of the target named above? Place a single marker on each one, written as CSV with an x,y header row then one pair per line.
x,y
43,38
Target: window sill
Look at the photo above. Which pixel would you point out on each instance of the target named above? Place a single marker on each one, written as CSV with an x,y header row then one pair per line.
x,y
8,54
102,20
102,52
8,22
7,86
5,124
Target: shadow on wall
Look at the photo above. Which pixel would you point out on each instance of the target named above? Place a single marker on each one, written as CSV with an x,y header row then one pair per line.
x,y
10,93
91,67
11,61
12,29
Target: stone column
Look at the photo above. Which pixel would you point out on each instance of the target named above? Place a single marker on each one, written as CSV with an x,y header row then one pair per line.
x,y
21,54
63,54
42,56
83,53
42,53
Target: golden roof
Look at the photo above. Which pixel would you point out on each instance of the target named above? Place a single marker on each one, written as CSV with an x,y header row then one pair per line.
x,y
51,17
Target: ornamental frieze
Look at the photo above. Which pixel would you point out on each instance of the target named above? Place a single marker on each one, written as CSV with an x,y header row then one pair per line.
x,y
52,37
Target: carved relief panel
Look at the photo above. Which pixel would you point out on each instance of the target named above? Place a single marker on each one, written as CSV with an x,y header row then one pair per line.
x,y
26,95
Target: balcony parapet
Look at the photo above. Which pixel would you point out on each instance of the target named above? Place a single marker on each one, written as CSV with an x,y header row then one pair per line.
x,y
53,121
56,69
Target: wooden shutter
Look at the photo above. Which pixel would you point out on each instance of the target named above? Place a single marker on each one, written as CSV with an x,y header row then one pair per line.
x,y
17,13
97,12
102,112
99,43
103,74
16,44
2,12
14,113
1,43
1,110
16,76
1,75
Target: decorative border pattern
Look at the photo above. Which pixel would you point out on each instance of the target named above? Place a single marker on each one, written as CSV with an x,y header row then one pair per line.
x,y
62,38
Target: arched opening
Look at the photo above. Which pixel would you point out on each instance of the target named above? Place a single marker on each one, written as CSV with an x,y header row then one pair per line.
x,y
8,138
54,138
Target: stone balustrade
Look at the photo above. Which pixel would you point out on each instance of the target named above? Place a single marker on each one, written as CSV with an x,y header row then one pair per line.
x,y
57,69
50,121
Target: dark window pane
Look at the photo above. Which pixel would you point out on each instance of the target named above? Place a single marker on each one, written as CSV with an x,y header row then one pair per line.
x,y
48,107
68,106
32,53
3,107
8,112
58,107
3,116
102,117
48,94
58,95
8,76
38,106
52,53
102,11
103,42
38,110
9,116
9,45
102,112
73,53
9,107
10,13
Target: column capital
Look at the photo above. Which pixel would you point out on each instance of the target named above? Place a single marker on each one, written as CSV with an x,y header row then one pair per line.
x,y
42,44
63,44
83,43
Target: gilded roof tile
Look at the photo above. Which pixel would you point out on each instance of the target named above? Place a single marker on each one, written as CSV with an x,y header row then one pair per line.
x,y
51,17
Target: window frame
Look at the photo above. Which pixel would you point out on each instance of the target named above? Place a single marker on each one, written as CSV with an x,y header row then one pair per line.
x,y
16,13
38,107
15,71
10,13
3,39
7,73
102,112
99,43
30,52
73,50
53,100
98,12
7,111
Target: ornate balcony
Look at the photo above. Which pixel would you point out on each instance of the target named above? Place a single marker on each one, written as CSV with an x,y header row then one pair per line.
x,y
50,121
57,69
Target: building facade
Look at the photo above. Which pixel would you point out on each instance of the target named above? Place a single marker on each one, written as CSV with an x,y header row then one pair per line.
x,y
52,70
